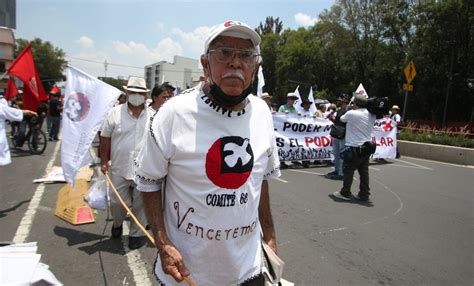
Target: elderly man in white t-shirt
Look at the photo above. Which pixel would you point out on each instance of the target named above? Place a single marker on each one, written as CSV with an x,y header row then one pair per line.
x,y
121,136
215,148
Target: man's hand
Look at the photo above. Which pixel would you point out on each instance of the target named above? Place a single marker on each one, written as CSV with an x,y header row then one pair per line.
x,y
104,167
273,245
29,113
172,262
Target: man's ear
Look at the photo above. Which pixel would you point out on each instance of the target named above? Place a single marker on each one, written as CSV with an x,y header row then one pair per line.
x,y
205,65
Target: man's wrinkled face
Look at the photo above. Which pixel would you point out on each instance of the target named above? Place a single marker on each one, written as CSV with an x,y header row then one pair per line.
x,y
230,63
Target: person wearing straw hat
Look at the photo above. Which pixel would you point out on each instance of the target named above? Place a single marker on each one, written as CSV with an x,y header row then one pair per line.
x,y
289,107
214,148
121,136
268,99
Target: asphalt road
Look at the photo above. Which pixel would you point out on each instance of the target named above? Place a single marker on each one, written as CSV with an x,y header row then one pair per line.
x,y
418,230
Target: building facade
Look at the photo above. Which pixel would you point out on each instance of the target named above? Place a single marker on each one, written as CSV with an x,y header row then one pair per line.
x,y
7,53
183,73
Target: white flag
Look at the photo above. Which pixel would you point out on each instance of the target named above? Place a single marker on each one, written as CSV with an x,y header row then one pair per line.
x,y
261,82
86,104
312,109
298,101
361,90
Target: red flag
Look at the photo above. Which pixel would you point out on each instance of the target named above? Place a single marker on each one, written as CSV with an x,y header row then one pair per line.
x,y
24,68
30,101
12,91
54,89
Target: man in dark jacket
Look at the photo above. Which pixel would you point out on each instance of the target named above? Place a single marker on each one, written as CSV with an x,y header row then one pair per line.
x,y
338,133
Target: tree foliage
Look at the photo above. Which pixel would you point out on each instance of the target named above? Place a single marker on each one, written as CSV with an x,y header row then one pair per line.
x,y
370,42
49,60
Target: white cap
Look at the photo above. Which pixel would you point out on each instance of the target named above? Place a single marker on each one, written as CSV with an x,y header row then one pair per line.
x,y
234,29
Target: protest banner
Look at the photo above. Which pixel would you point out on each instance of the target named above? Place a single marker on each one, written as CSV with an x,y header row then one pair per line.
x,y
301,138
384,134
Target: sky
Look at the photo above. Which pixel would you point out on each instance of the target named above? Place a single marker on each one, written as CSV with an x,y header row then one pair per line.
x,y
130,34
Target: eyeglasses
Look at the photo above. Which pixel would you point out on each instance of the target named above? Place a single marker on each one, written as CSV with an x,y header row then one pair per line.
x,y
226,55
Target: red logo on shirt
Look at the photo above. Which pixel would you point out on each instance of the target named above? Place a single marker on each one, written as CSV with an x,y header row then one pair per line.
x,y
229,162
387,125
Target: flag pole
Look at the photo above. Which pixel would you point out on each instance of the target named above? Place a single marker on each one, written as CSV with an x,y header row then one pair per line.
x,y
3,75
134,218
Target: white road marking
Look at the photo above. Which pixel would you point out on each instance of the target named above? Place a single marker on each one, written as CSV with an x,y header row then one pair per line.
x,y
281,180
306,172
396,212
439,162
134,259
416,165
376,169
26,222
403,166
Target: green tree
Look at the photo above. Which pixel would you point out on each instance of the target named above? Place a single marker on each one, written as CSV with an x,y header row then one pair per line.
x,y
298,62
271,26
49,60
118,83
442,51
270,34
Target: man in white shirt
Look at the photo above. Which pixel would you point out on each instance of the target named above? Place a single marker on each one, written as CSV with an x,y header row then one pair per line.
x,y
306,104
359,123
215,148
12,114
121,136
398,119
395,114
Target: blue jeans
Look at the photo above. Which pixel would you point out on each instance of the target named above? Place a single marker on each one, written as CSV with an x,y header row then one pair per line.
x,y
337,146
55,122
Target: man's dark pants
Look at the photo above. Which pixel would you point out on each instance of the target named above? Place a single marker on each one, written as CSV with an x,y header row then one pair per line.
x,y
359,162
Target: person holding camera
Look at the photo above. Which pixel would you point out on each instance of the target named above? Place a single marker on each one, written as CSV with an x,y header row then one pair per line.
x,y
359,146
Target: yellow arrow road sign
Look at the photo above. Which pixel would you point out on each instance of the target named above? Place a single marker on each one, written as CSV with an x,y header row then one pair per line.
x,y
410,71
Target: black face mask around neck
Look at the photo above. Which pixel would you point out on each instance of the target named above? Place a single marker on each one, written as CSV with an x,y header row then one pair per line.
x,y
225,100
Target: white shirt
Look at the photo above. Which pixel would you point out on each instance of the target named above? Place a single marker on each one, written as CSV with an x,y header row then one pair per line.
x,y
306,113
12,114
126,133
397,118
359,126
214,161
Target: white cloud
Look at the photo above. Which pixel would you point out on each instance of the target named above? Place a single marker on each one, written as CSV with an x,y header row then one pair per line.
x,y
160,26
140,54
86,42
194,40
305,20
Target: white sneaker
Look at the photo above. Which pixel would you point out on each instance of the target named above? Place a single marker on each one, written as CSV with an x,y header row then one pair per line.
x,y
339,196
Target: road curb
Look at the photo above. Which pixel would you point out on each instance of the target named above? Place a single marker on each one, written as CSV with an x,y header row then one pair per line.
x,y
443,153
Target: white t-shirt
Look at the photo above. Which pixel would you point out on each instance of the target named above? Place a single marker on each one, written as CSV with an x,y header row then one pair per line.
x,y
214,161
397,118
360,123
126,133
12,114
